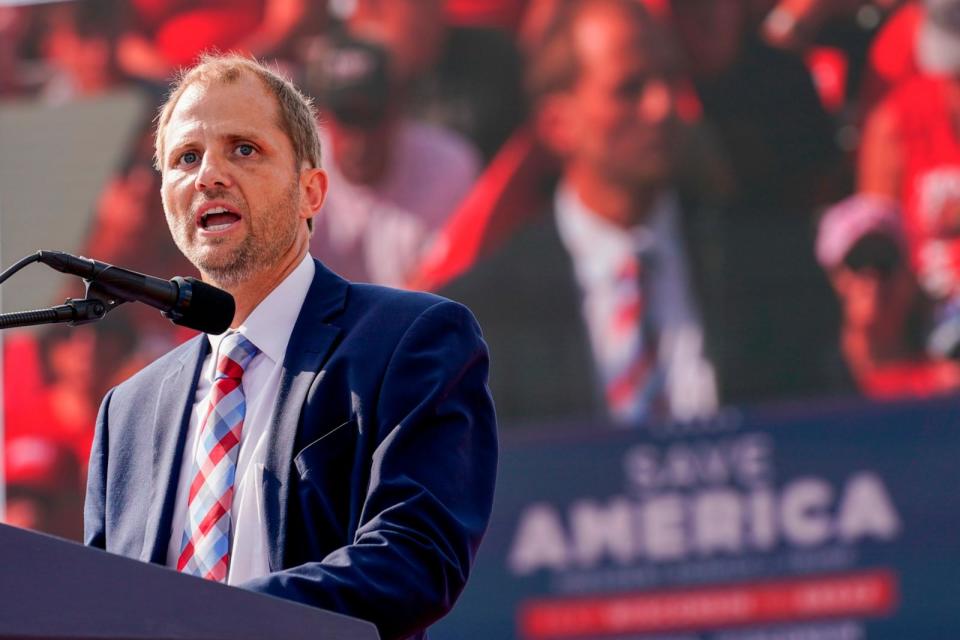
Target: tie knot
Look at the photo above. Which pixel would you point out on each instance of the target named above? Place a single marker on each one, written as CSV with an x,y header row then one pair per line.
x,y
236,352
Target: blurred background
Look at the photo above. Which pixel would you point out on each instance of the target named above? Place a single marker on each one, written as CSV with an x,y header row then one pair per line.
x,y
661,211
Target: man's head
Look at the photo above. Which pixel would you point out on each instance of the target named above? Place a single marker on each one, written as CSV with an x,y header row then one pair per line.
x,y
353,86
861,246
239,156
603,85
297,117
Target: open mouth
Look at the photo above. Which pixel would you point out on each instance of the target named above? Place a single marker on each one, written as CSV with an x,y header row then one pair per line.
x,y
218,219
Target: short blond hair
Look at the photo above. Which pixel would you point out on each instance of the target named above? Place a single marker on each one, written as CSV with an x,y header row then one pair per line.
x,y
298,118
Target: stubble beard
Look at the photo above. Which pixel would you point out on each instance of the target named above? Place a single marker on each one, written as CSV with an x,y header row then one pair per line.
x,y
261,249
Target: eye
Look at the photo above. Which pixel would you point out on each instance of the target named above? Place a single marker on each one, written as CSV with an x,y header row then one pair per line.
x,y
245,150
189,157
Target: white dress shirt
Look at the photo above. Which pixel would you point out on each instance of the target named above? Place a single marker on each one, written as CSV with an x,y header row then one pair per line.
x,y
598,248
268,327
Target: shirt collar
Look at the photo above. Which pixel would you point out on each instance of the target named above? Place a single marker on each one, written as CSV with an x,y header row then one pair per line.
x,y
270,325
600,246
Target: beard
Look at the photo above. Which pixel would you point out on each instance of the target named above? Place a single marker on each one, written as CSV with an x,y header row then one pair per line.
x,y
271,232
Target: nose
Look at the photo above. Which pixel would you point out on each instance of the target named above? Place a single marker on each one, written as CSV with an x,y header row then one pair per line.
x,y
213,172
658,101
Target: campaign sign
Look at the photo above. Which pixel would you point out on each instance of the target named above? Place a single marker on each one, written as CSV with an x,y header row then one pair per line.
x,y
838,523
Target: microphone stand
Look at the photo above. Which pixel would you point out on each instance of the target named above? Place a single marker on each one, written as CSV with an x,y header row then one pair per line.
x,y
73,312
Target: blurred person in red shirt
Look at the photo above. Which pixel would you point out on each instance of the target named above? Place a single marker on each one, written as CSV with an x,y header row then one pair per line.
x,y
54,379
43,487
919,40
911,153
63,406
893,56
886,315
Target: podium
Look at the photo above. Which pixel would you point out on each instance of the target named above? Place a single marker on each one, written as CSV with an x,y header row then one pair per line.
x,y
52,589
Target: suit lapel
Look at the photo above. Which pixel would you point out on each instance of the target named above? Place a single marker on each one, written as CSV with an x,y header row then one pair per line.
x,y
171,421
702,228
309,345
564,286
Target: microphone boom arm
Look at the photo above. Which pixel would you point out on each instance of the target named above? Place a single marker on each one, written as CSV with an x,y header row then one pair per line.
x,y
98,302
186,302
73,312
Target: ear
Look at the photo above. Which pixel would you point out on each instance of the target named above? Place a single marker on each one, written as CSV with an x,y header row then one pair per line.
x,y
555,121
313,186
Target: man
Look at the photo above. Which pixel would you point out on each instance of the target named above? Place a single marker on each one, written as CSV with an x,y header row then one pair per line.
x,y
594,310
345,456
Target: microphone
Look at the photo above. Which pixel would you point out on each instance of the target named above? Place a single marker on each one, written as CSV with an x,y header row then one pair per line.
x,y
185,301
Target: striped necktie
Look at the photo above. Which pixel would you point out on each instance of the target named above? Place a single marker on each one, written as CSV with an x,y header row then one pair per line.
x,y
634,381
205,546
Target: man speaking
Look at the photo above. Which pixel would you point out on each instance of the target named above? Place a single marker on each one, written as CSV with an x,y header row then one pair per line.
x,y
337,446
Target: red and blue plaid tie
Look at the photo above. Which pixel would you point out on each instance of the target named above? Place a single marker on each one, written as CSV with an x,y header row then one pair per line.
x,y
634,381
205,546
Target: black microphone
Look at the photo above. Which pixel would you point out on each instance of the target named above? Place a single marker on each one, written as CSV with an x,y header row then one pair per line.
x,y
185,301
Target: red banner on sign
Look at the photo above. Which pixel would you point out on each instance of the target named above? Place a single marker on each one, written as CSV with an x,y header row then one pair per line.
x,y
871,593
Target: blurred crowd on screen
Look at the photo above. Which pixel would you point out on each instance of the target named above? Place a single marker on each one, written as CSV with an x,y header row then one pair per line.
x,y
656,208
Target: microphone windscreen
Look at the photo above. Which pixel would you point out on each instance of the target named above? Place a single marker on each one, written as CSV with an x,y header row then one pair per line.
x,y
208,308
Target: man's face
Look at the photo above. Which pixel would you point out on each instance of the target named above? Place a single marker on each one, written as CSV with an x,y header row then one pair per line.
x,y
231,190
876,302
624,123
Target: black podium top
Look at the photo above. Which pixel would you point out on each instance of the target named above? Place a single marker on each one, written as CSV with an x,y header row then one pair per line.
x,y
55,589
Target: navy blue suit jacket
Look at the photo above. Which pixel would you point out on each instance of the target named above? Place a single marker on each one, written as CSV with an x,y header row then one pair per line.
x,y
379,483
